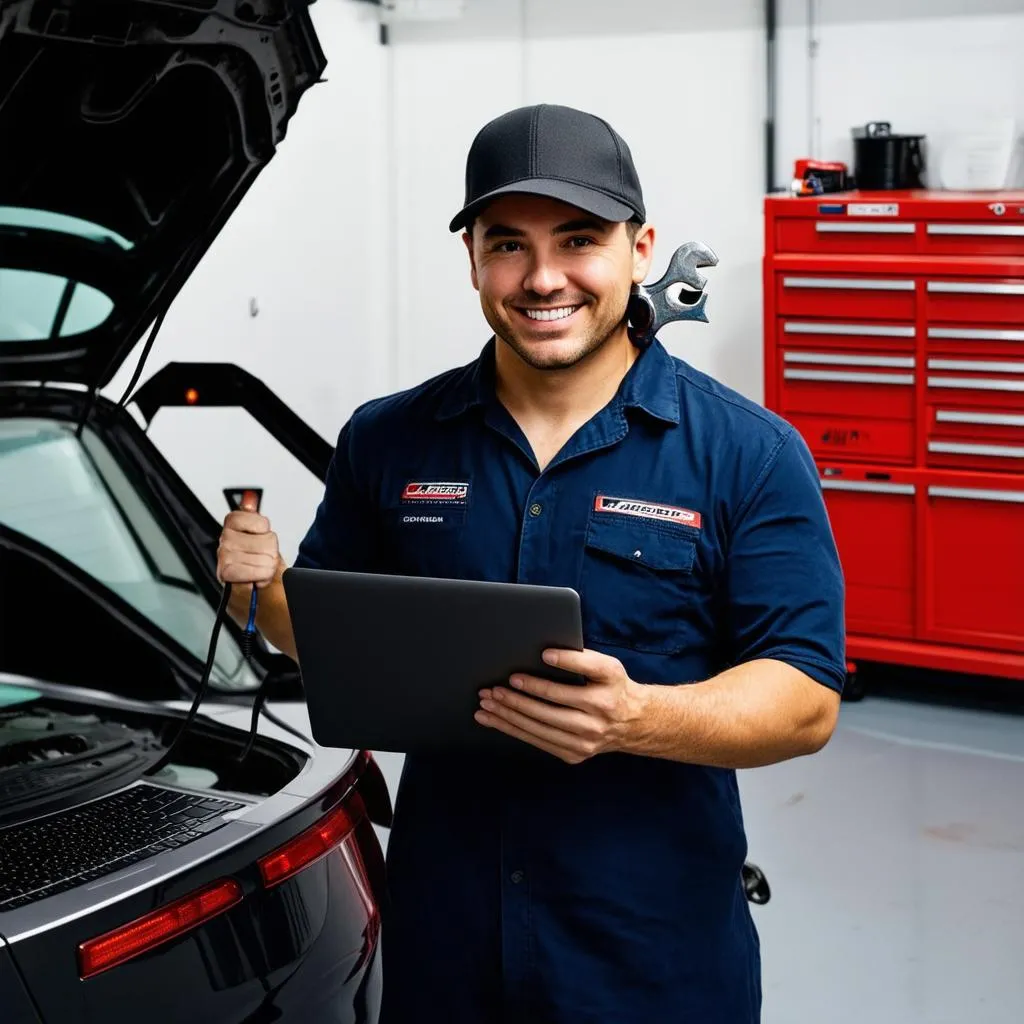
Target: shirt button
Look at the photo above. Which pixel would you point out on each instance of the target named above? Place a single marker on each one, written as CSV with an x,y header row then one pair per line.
x,y
536,509
517,877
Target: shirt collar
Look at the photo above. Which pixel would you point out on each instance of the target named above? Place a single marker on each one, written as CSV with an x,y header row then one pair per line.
x,y
649,385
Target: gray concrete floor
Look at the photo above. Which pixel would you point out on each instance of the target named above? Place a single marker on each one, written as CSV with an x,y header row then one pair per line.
x,y
896,861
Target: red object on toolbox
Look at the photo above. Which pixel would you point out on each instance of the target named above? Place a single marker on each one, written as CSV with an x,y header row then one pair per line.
x,y
894,342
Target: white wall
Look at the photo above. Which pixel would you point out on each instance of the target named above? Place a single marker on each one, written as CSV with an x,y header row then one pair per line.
x,y
932,67
309,244
684,82
671,94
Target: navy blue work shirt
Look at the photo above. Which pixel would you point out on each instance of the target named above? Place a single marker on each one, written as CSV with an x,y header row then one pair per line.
x,y
692,524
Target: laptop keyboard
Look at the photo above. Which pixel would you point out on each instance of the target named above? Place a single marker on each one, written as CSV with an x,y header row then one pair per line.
x,y
56,853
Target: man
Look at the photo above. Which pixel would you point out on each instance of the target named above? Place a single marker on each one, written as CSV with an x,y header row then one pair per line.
x,y
601,883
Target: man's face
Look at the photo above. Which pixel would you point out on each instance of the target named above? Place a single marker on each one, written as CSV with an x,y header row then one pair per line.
x,y
554,281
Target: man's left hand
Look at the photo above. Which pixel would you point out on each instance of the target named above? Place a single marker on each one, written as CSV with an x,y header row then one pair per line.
x,y
577,722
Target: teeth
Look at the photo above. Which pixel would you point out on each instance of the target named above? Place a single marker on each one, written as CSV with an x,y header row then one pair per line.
x,y
551,314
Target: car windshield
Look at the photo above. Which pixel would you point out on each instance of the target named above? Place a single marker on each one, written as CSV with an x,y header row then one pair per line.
x,y
36,306
72,496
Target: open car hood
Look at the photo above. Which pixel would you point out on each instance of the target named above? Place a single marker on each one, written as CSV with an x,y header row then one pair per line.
x,y
130,131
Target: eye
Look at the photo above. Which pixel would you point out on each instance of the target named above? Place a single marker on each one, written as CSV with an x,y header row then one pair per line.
x,y
509,247
580,242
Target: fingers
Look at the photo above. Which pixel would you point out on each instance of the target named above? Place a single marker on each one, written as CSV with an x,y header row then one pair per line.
x,y
551,741
557,693
246,522
516,706
592,664
248,551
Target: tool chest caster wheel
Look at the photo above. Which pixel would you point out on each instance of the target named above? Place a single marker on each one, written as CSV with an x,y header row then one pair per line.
x,y
853,688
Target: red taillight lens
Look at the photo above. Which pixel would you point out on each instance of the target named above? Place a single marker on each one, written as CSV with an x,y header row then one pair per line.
x,y
106,951
313,844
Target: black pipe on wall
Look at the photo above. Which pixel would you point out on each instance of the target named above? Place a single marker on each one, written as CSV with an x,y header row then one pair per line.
x,y
771,21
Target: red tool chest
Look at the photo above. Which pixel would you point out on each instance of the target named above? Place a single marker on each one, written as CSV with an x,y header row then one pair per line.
x,y
894,342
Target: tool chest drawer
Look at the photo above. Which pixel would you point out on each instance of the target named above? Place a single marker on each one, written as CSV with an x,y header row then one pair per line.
x,y
974,561
832,235
977,381
873,521
853,405
882,338
952,238
970,340
999,301
859,297
974,438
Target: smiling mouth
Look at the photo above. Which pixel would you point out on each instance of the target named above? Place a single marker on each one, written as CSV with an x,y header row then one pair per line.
x,y
549,315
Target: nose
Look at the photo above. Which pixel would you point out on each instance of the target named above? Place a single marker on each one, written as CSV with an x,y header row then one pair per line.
x,y
544,276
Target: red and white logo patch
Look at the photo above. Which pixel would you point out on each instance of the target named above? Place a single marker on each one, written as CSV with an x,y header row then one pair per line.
x,y
453,493
647,510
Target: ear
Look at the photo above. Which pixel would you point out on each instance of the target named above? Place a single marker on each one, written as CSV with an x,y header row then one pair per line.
x,y
467,238
643,253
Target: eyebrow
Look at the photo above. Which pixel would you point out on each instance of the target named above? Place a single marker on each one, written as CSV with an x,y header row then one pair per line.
x,y
581,224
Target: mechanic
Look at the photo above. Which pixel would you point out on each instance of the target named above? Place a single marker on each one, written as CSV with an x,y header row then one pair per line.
x,y
601,883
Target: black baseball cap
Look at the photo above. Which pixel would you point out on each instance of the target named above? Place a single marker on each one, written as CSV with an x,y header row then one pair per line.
x,y
552,151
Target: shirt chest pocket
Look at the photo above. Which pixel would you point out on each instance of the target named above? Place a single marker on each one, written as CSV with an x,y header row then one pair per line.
x,y
636,584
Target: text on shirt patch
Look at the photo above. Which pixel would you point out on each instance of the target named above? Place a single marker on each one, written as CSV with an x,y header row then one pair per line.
x,y
453,493
647,510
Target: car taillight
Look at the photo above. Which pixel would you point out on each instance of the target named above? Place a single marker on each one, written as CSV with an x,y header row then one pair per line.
x,y
128,941
316,842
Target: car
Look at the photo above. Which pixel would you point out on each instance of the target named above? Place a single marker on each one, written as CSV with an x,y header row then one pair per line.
x,y
173,846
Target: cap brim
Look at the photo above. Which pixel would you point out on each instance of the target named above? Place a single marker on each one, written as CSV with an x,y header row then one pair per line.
x,y
586,199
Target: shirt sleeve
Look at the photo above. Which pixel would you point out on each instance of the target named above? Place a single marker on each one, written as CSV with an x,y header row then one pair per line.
x,y
344,534
785,581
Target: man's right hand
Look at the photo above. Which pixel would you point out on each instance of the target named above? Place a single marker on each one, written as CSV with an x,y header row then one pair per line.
x,y
248,551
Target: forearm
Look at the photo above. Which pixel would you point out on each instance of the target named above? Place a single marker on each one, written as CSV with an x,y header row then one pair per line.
x,y
273,619
756,714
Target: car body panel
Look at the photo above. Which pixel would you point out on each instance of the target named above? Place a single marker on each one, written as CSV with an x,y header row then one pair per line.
x,y
17,1005
167,111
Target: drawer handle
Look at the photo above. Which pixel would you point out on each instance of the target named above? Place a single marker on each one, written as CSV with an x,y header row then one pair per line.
x,y
975,384
1004,230
853,330
852,377
998,451
833,359
860,227
981,365
868,488
848,284
962,288
974,334
992,419
976,494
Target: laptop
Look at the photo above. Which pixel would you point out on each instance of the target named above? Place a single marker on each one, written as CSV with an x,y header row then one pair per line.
x,y
396,663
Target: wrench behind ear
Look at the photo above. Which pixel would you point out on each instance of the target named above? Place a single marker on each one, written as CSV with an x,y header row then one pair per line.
x,y
651,306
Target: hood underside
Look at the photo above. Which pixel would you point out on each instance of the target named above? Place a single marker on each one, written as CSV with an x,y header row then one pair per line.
x,y
130,131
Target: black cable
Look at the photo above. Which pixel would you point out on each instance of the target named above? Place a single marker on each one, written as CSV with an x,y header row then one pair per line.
x,y
95,392
287,728
142,359
203,684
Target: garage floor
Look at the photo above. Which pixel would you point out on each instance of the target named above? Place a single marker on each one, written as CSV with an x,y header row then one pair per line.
x,y
896,861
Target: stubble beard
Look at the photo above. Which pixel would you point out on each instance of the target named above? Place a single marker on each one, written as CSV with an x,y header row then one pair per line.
x,y
592,342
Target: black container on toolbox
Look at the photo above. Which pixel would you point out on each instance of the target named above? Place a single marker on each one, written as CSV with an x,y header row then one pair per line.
x,y
886,161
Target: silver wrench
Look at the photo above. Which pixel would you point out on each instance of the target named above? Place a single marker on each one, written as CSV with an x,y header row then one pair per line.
x,y
651,306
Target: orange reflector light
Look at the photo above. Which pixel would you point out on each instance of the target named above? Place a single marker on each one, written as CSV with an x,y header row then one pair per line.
x,y
191,396
106,951
313,844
